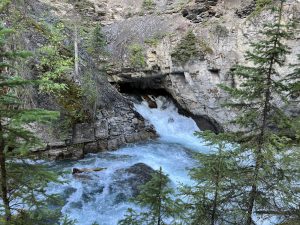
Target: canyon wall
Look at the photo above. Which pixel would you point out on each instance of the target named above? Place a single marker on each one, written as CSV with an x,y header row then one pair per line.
x,y
184,47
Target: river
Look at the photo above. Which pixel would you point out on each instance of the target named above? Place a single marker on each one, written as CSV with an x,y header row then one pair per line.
x,y
95,197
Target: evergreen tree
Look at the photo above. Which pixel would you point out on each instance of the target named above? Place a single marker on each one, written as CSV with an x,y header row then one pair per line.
x,y
187,49
156,199
264,182
22,184
97,42
293,80
211,199
260,118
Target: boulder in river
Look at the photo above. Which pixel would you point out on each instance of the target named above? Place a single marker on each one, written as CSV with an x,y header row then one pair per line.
x,y
151,102
127,181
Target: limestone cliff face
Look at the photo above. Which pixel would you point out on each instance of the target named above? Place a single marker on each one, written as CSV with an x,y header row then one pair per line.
x,y
224,30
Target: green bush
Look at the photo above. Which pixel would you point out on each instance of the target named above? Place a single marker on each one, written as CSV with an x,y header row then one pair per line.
x,y
188,48
153,42
137,58
260,5
221,31
148,4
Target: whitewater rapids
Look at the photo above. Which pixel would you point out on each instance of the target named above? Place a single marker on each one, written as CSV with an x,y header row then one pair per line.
x,y
90,199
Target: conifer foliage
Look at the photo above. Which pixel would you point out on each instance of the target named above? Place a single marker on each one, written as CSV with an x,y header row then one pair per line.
x,y
266,178
156,199
20,183
259,114
211,200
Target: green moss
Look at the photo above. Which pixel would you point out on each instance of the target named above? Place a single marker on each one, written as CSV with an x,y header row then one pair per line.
x,y
260,5
137,58
152,42
187,49
148,4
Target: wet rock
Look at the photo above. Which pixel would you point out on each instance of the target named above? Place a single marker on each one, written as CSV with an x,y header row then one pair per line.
x,y
90,195
127,181
76,205
68,192
83,132
91,148
121,197
151,103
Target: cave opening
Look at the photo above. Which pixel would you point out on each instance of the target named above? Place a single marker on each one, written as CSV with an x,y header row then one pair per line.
x,y
140,89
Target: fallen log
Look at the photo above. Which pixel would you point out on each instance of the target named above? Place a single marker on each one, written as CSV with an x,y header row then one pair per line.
x,y
83,170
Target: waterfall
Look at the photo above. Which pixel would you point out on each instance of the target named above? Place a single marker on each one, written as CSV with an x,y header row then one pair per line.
x,y
103,196
170,125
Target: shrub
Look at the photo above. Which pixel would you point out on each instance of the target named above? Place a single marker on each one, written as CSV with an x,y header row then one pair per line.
x,y
204,47
137,58
260,5
148,4
188,48
221,31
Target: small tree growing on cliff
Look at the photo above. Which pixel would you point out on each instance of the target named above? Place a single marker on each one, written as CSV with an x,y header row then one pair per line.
x,y
187,49
98,41
137,58
156,198
20,183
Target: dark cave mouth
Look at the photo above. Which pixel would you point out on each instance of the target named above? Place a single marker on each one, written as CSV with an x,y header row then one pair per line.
x,y
137,91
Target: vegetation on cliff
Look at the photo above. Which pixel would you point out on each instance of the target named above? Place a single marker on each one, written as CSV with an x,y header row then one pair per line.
x,y
186,49
137,58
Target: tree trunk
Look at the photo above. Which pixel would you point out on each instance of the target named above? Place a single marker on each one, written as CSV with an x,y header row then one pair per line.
x,y
159,197
4,192
216,194
76,53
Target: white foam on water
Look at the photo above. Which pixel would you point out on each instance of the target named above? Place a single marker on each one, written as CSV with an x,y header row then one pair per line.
x,y
170,125
90,197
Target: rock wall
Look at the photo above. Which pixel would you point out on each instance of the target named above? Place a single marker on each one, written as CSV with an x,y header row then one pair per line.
x,y
115,122
224,30
112,129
